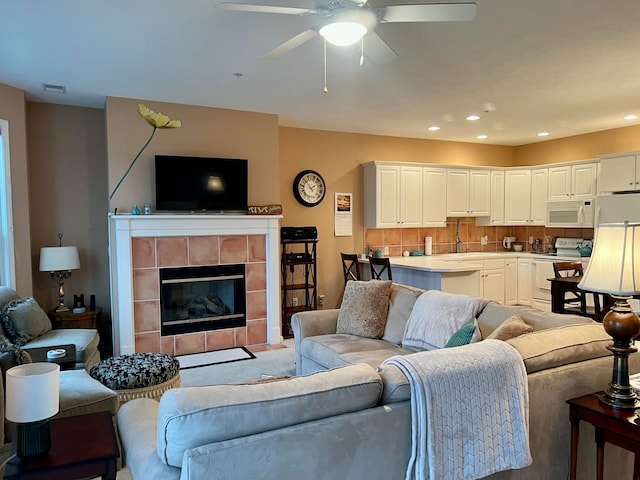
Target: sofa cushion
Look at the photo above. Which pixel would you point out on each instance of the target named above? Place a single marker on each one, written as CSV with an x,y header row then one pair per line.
x,y
494,314
562,345
194,416
374,358
364,307
512,327
6,295
466,334
401,303
327,350
23,320
85,339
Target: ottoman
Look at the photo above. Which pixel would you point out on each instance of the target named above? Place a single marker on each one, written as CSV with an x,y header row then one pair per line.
x,y
138,375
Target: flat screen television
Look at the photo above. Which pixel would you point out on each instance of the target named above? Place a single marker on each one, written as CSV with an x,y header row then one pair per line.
x,y
201,184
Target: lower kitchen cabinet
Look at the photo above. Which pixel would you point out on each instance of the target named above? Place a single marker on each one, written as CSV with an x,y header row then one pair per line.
x,y
511,281
524,281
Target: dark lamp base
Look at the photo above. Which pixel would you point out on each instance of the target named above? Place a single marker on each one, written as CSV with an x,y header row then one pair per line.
x,y
623,325
33,439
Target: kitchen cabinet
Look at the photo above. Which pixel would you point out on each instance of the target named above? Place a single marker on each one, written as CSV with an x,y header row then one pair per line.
x,y
525,283
572,182
511,281
434,197
619,174
525,196
492,280
496,210
517,197
539,182
468,192
392,195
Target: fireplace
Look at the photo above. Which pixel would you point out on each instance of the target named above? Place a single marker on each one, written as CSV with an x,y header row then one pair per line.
x,y
196,299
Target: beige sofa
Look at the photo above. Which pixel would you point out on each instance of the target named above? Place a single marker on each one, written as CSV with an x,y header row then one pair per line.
x,y
354,422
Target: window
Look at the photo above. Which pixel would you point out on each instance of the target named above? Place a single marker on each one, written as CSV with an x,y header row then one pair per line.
x,y
7,255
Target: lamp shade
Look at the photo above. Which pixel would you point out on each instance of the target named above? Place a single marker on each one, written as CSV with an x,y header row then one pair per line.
x,y
614,267
57,259
32,392
343,34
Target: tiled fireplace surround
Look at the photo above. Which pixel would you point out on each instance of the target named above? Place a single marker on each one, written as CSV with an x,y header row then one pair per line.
x,y
141,245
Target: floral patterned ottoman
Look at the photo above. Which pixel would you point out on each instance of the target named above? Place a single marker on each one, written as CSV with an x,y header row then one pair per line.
x,y
138,375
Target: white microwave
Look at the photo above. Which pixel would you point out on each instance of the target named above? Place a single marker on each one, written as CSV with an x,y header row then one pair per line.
x,y
571,213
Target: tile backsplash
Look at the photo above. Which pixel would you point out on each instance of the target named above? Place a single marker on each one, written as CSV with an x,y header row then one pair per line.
x,y
397,240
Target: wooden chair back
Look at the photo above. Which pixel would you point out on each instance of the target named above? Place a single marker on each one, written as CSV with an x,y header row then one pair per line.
x,y
350,266
380,268
567,269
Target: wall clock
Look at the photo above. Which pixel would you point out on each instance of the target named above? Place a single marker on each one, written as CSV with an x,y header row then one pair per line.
x,y
309,188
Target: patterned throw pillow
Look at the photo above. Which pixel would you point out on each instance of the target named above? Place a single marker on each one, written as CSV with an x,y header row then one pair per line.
x,y
23,320
364,308
512,327
468,333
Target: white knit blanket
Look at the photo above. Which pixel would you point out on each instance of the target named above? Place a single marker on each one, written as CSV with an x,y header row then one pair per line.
x,y
469,409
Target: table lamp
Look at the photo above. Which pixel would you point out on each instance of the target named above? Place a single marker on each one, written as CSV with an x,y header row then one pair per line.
x,y
32,393
614,269
59,261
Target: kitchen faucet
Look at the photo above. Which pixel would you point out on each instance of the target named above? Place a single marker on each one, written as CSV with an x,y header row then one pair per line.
x,y
458,241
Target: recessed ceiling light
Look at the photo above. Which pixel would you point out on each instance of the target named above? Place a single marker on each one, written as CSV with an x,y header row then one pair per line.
x,y
482,137
543,134
630,117
472,118
433,128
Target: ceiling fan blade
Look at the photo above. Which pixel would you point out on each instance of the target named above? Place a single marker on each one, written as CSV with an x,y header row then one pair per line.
x,y
292,43
248,7
377,49
434,12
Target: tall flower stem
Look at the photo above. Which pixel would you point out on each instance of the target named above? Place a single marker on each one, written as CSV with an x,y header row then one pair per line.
x,y
133,163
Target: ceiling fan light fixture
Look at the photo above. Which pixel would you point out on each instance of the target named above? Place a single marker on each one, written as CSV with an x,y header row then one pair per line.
x,y
343,34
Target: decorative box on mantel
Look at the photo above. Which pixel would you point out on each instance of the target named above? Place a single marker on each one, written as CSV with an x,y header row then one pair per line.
x,y
188,230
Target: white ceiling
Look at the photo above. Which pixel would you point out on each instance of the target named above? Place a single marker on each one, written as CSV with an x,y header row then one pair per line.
x,y
563,66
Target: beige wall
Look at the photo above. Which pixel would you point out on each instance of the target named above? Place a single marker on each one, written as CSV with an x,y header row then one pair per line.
x,y
579,147
337,157
68,195
12,109
205,131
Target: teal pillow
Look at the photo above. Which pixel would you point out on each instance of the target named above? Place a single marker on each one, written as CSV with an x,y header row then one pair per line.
x,y
468,333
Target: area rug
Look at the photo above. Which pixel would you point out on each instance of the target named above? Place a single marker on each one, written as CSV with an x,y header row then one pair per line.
x,y
214,357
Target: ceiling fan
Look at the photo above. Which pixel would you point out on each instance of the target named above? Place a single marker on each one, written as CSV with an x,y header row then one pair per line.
x,y
345,22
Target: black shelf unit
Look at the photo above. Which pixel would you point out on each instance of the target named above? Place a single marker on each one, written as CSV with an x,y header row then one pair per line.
x,y
299,275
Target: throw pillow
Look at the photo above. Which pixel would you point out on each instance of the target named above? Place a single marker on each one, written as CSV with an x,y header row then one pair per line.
x,y
512,327
364,308
23,320
468,333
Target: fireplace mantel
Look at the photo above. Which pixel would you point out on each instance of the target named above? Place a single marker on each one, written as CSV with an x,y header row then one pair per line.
x,y
122,228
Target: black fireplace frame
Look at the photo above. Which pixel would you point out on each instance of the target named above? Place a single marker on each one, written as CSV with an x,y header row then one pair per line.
x,y
239,317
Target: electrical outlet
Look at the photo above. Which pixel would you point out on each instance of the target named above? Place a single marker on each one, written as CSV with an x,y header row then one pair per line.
x,y
385,251
294,302
321,298
484,240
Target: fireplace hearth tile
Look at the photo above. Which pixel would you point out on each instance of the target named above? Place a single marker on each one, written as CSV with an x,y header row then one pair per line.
x,y
146,316
143,251
257,248
172,251
256,276
233,249
256,332
217,339
145,284
147,342
167,345
189,343
241,336
256,305
204,250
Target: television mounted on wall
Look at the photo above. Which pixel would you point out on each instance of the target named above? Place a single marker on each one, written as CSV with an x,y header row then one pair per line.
x,y
201,184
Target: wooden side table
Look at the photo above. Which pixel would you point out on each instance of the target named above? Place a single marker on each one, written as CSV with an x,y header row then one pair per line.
x,y
83,446
69,319
617,426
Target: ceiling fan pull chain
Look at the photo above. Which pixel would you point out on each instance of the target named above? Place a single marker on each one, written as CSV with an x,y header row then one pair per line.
x,y
361,51
325,89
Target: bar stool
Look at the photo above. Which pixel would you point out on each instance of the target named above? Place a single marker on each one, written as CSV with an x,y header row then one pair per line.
x,y
350,267
379,268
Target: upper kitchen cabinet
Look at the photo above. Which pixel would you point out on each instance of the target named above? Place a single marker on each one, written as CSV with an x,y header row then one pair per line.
x,y
619,174
525,196
572,182
392,195
468,192
434,197
496,215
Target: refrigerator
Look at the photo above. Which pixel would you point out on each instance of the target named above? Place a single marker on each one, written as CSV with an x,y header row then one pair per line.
x,y
617,208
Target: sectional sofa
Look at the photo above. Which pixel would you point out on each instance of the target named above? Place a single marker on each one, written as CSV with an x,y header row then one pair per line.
x,y
347,416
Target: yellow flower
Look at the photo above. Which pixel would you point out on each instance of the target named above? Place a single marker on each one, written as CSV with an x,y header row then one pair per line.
x,y
156,120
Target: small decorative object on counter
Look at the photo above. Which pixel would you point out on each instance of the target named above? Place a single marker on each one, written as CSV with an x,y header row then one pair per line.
x,y
135,210
377,253
416,253
405,253
147,209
